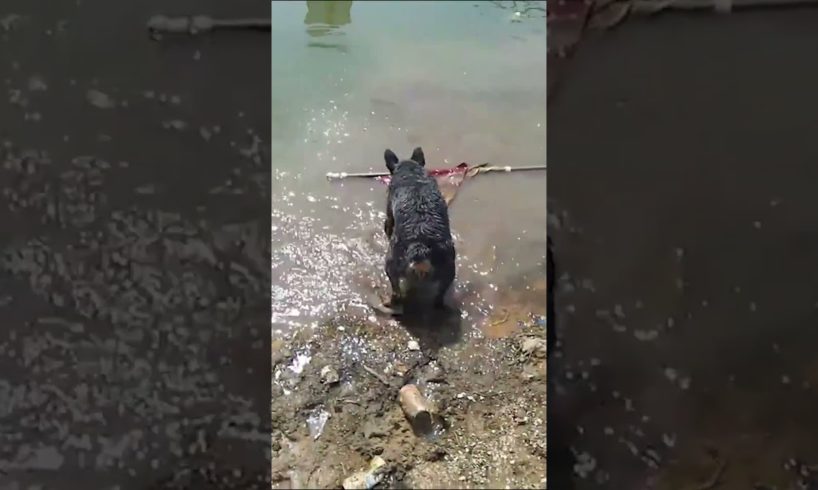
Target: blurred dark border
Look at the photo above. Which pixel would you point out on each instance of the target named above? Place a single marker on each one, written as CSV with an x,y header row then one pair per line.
x,y
135,208
682,168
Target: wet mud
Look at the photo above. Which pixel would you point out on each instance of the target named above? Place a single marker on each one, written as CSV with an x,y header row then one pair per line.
x,y
489,393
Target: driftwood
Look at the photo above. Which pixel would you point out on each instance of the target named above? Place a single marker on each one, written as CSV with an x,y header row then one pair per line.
x,y
477,169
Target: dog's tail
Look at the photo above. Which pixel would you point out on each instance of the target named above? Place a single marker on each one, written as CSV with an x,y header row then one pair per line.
x,y
420,265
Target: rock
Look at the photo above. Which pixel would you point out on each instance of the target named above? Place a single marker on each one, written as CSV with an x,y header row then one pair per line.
x,y
316,423
413,345
532,373
368,478
534,346
329,376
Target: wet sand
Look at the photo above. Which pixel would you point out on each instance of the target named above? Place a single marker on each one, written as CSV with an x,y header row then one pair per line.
x,y
683,152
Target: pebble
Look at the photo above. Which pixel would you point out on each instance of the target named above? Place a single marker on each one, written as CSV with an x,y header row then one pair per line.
x,y
329,375
413,345
534,346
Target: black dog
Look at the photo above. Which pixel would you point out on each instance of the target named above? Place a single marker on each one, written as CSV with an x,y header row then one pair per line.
x,y
420,262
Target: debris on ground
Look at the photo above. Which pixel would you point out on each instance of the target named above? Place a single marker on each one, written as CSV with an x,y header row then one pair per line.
x,y
493,436
416,407
367,479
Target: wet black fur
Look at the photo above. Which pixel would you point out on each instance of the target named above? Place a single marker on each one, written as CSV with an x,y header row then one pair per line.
x,y
417,225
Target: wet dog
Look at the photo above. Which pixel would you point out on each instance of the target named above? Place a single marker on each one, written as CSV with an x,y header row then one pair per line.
x,y
420,262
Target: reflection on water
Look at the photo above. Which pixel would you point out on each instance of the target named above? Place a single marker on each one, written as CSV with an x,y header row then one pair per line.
x,y
324,16
465,81
323,20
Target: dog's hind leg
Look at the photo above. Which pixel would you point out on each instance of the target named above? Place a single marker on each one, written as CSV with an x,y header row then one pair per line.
x,y
392,273
446,280
389,222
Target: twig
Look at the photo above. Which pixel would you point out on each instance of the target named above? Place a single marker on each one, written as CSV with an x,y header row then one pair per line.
x,y
501,321
492,168
481,168
378,375
345,175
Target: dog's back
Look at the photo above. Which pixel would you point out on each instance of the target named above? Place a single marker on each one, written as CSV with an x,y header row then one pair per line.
x,y
421,250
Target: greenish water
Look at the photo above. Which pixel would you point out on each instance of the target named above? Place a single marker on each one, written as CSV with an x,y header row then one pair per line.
x,y
464,80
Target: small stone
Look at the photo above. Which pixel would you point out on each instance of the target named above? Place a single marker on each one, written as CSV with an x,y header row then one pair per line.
x,y
329,375
413,345
534,346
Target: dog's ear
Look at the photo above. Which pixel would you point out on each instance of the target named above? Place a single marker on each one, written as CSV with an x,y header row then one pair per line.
x,y
417,156
391,160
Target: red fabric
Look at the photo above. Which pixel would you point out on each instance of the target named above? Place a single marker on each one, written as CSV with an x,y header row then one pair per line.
x,y
438,173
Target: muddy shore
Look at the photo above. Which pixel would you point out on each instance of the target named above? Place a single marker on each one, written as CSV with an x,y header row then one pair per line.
x,y
490,393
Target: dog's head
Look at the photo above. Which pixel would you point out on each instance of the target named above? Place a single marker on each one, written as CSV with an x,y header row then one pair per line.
x,y
392,160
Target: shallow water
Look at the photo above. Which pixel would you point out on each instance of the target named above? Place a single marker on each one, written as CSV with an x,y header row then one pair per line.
x,y
464,80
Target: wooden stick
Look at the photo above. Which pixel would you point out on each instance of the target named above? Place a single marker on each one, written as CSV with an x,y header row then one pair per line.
x,y
512,169
481,168
345,175
377,375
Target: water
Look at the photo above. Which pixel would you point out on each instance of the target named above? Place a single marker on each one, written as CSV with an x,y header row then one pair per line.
x,y
464,80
